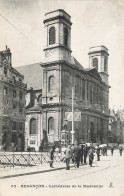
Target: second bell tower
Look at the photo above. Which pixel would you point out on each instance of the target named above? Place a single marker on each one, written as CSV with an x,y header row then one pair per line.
x,y
58,36
98,58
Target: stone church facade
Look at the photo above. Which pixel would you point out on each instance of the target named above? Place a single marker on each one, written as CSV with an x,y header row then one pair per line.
x,y
49,94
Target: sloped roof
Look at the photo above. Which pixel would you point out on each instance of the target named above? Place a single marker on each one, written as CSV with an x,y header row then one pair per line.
x,y
32,75
76,63
93,72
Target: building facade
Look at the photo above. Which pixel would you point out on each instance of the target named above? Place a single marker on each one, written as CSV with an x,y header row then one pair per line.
x,y
12,105
47,114
116,127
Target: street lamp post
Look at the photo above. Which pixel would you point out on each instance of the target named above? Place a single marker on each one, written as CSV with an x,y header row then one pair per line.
x,y
72,115
65,127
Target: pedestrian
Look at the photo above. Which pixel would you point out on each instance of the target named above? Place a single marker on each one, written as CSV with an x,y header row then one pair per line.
x,y
63,148
77,155
104,149
85,152
91,156
98,152
81,154
68,157
72,153
52,156
112,150
120,150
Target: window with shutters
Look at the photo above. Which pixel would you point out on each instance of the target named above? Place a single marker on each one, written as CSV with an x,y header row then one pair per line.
x,y
33,126
65,36
52,36
95,63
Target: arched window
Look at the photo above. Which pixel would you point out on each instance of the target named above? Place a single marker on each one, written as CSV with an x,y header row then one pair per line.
x,y
51,83
52,35
95,63
65,36
105,64
39,99
5,91
33,126
51,125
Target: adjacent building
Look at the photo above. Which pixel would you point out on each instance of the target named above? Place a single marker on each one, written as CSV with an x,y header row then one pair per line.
x,y
12,105
50,84
116,126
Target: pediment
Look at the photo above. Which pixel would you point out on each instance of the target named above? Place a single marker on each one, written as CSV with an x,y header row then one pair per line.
x,y
94,72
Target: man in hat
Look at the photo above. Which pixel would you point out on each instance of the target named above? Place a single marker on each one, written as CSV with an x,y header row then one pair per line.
x,y
52,156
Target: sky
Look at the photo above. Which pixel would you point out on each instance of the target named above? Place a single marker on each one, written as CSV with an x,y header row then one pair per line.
x,y
95,22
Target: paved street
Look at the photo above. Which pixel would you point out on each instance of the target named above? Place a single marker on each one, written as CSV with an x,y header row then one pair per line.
x,y
104,178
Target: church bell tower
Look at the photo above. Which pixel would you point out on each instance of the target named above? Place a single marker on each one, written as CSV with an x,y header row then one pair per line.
x,y
98,58
58,36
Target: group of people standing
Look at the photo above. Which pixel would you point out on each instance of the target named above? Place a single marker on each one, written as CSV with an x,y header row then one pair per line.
x,y
75,152
79,153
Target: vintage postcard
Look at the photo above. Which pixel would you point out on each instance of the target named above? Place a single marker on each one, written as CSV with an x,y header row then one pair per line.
x,y
61,97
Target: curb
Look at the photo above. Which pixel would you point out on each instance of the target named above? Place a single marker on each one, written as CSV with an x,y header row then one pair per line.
x,y
30,173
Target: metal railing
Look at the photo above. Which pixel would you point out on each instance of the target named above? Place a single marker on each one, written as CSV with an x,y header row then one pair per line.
x,y
26,158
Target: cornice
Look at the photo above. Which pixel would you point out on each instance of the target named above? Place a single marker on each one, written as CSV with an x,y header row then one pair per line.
x,y
57,17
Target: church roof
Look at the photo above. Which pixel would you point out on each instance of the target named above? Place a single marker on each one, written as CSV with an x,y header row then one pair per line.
x,y
93,72
90,70
32,75
76,63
